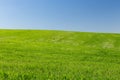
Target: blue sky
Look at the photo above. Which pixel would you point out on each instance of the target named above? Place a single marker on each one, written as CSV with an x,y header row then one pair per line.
x,y
75,15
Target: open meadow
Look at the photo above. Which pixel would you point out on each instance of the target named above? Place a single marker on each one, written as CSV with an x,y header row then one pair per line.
x,y
59,55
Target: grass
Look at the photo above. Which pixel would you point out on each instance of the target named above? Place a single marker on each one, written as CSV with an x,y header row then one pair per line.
x,y
59,55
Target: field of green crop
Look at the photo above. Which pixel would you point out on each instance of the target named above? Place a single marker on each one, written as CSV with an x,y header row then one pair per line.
x,y
59,55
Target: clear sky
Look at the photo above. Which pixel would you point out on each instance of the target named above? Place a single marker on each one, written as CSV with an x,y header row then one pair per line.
x,y
76,15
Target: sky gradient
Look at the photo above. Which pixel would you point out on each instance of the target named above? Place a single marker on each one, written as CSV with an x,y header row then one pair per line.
x,y
73,15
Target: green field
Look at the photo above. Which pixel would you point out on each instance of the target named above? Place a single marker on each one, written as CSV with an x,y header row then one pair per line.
x,y
59,55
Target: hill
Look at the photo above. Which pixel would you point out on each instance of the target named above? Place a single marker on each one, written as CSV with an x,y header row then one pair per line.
x,y
59,55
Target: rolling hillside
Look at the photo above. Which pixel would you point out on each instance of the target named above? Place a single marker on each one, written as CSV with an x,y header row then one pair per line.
x,y
59,55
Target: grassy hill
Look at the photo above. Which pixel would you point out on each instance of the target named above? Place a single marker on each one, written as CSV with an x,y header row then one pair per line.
x,y
59,55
